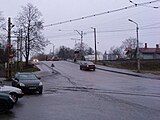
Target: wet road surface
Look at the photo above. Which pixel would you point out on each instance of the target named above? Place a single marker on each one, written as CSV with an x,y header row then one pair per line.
x,y
71,94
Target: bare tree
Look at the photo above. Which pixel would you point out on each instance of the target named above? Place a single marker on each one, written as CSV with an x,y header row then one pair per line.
x,y
115,50
84,49
65,53
129,43
1,20
2,27
29,20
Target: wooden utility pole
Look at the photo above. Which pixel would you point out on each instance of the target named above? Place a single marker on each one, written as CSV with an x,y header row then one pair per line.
x,y
10,55
21,38
95,44
18,49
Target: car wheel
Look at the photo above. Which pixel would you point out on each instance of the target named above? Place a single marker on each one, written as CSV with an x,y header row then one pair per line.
x,y
14,96
3,106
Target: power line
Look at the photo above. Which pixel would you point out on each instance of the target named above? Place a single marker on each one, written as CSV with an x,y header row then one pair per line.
x,y
145,27
151,24
107,31
103,13
145,5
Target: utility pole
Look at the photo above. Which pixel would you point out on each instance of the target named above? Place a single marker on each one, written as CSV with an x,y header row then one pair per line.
x,y
21,38
18,49
95,44
81,47
53,49
138,55
10,55
81,40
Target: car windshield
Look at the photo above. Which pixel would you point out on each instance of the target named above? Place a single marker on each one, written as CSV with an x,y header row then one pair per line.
x,y
89,63
27,77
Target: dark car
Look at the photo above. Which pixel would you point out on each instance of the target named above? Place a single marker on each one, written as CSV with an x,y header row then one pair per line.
x,y
6,102
87,65
27,82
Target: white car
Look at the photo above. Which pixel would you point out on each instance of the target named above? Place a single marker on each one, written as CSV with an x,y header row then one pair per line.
x,y
13,91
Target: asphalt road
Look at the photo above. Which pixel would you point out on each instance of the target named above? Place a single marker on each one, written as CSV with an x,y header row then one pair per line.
x,y
72,94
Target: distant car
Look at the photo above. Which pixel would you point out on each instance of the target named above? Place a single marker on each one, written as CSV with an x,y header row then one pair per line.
x,y
6,102
87,65
35,61
55,59
13,91
27,82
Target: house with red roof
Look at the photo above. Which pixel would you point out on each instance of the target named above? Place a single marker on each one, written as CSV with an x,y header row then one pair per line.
x,y
145,53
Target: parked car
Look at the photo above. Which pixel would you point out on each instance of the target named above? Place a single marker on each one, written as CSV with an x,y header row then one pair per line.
x,y
6,102
87,65
13,91
27,82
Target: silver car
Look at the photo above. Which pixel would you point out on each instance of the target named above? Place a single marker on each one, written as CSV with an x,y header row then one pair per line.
x,y
13,91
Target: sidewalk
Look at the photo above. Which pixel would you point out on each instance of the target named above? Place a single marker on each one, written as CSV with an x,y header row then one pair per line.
x,y
128,72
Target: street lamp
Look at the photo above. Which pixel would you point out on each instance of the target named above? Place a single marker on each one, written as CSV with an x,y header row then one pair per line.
x,y
138,56
95,45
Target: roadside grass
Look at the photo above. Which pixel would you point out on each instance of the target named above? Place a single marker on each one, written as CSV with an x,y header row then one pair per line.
x,y
23,68
18,68
146,66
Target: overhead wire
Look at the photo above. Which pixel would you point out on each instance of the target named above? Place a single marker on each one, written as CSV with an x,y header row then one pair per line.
x,y
107,31
153,24
103,13
123,30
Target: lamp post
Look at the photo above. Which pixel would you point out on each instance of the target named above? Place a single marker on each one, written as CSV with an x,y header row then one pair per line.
x,y
95,44
138,56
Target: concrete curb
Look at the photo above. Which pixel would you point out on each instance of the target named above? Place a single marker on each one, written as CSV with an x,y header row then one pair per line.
x,y
126,73
131,74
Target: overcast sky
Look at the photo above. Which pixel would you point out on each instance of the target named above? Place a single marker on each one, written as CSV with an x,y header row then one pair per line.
x,y
108,26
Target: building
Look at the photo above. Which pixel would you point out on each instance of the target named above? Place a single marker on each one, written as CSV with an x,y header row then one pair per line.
x,y
92,57
145,53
